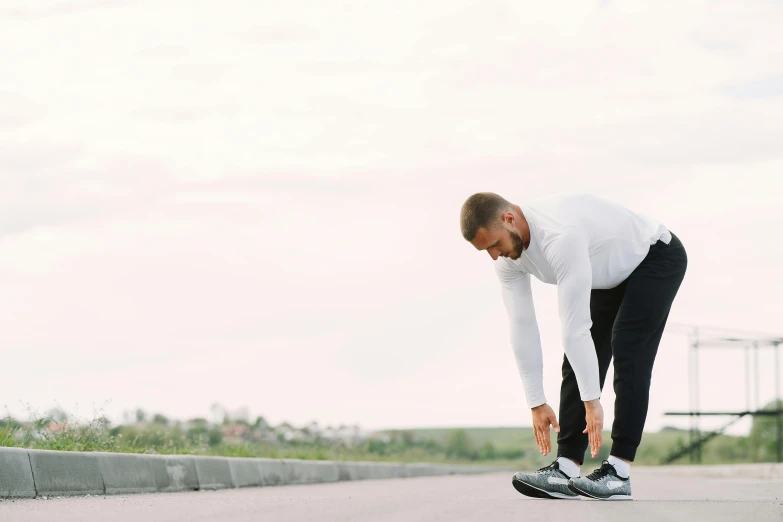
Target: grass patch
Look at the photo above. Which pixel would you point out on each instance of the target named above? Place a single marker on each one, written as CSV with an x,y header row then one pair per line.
x,y
508,447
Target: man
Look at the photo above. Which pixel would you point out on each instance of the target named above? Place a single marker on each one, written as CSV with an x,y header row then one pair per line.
x,y
617,273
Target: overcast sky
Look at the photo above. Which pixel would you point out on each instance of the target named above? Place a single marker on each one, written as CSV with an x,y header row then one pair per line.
x,y
256,203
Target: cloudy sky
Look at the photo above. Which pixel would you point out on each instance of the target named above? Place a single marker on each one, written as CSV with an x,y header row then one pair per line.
x,y
256,203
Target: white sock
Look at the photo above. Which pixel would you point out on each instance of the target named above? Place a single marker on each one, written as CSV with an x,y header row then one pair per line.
x,y
568,466
623,468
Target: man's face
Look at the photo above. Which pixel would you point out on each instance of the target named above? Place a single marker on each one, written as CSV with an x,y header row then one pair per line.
x,y
499,241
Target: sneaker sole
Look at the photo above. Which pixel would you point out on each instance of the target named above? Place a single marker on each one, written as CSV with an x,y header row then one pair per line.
x,y
589,495
535,492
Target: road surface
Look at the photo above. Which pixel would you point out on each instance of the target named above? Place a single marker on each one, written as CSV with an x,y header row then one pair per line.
x,y
483,498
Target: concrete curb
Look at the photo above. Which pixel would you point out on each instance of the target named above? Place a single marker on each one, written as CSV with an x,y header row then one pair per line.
x,y
310,471
175,473
27,473
16,474
213,473
123,473
66,473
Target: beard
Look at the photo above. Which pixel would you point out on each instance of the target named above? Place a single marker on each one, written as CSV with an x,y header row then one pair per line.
x,y
519,245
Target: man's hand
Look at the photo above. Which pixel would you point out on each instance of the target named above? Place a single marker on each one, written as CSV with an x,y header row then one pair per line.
x,y
543,417
594,415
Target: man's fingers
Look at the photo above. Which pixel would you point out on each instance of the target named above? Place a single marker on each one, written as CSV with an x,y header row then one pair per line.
x,y
596,440
542,439
590,439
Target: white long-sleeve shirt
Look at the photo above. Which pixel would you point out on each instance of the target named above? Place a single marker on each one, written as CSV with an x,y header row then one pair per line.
x,y
578,242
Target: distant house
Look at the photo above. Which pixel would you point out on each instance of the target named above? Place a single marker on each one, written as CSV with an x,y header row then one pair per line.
x,y
235,432
57,427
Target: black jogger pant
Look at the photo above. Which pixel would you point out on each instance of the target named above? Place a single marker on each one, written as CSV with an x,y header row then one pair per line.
x,y
628,323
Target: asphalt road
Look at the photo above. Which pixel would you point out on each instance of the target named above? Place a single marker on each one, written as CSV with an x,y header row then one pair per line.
x,y
454,498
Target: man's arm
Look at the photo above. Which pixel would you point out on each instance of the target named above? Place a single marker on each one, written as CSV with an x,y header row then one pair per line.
x,y
570,260
526,343
525,339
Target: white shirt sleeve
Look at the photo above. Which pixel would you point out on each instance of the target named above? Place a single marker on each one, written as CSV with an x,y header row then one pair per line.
x,y
569,257
525,339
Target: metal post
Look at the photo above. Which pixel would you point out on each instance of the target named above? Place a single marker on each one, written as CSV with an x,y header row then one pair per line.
x,y
696,396
756,406
691,406
756,378
693,398
747,378
777,401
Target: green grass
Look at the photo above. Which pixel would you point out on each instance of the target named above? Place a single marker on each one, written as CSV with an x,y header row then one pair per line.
x,y
507,447
163,439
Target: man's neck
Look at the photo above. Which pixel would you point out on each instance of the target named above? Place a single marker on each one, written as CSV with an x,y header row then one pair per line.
x,y
523,229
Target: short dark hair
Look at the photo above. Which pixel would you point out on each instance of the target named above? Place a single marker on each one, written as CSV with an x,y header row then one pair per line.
x,y
481,210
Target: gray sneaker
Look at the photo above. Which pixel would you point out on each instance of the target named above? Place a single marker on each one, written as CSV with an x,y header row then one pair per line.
x,y
603,484
548,482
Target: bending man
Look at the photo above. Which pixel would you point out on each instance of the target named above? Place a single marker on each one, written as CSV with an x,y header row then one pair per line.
x,y
617,273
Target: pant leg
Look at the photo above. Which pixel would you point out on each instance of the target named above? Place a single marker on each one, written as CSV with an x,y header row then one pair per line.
x,y
640,322
571,442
